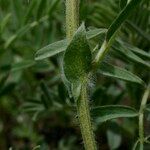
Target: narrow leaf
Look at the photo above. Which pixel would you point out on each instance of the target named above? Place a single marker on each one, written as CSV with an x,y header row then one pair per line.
x,y
136,50
53,6
119,73
123,3
51,50
40,9
121,18
130,55
95,32
104,113
77,58
148,107
29,11
20,33
18,10
44,101
4,22
22,65
126,52
114,139
136,145
46,92
3,81
134,27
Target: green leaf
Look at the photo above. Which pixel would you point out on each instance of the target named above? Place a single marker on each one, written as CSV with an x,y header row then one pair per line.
x,y
40,9
47,94
66,83
119,73
147,139
29,11
123,3
136,50
18,10
37,147
44,100
20,33
95,32
114,139
130,55
22,65
62,92
4,22
121,18
148,107
77,58
136,145
133,26
32,107
3,81
60,46
53,7
51,50
104,113
76,91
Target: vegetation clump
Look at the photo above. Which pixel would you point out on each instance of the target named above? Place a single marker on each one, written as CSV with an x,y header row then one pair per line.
x,y
48,65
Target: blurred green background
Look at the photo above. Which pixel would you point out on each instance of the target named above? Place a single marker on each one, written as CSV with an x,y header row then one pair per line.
x,y
35,109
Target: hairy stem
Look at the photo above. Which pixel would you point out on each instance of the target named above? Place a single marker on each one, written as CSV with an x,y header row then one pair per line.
x,y
72,17
85,121
72,23
141,117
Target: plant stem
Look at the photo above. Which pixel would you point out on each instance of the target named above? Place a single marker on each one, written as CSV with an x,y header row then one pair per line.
x,y
85,121
72,17
72,23
105,47
141,117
